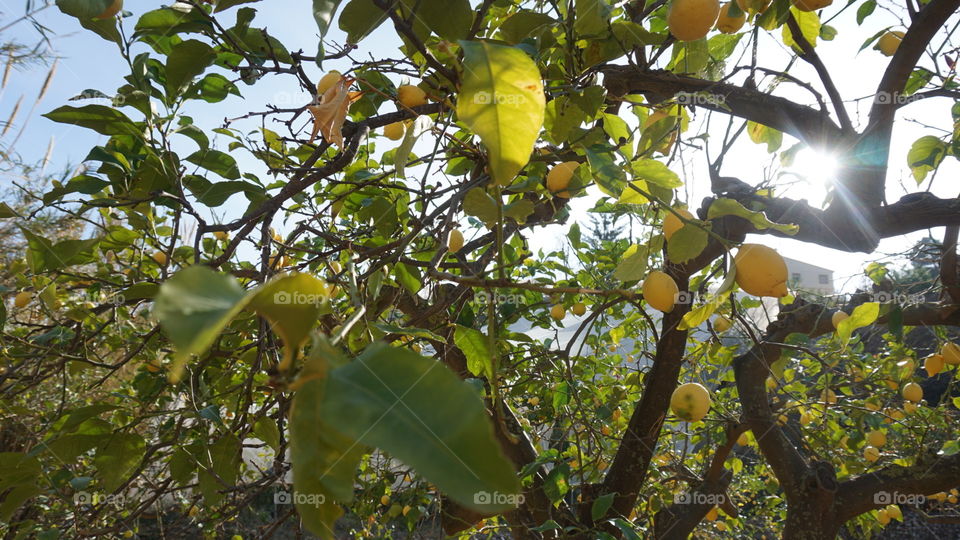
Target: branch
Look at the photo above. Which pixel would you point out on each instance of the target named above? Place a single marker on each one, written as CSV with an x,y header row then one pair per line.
x,y
813,127
949,272
811,57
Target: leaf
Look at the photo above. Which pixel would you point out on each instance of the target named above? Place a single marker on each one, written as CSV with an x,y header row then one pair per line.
x,y
501,100
83,9
730,207
633,267
186,60
407,331
863,315
687,243
610,177
102,119
522,25
267,431
696,316
331,113
655,172
762,134
449,19
592,16
193,307
421,124
119,457
519,210
408,277
925,155
220,465
809,23
359,18
865,10
223,5
601,505
479,204
634,196
323,11
292,305
387,399
6,211
475,347
44,256
216,161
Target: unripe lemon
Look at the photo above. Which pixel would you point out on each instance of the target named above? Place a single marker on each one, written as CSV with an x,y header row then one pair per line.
x,y
660,291
558,312
129,534
950,353
22,299
805,418
672,224
690,20
394,131
327,81
876,438
221,235
111,10
889,42
743,439
753,6
711,515
579,309
828,396
811,5
385,500
558,179
690,401
934,364
455,241
894,512
722,324
160,258
728,24
838,318
871,453
411,96
761,271
909,407
882,515
912,392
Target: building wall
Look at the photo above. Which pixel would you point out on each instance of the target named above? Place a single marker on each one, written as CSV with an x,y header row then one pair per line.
x,y
809,277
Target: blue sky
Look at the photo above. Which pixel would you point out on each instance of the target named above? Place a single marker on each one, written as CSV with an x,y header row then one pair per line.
x,y
90,62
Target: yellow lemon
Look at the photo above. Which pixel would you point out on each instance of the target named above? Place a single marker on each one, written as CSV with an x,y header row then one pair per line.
x,y
894,512
411,96
838,318
728,24
327,81
889,42
385,500
722,324
690,20
558,178
455,241
909,407
579,309
394,131
660,291
160,258
711,515
950,353
876,438
111,10
761,271
672,224
743,439
690,401
811,5
934,364
753,6
882,515
558,312
22,299
805,418
871,453
406,509
828,396
912,392
534,401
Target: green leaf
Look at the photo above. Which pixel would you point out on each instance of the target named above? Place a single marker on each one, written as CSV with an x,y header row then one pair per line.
x,y
292,304
83,9
633,193
44,256
809,23
387,399
687,243
696,316
216,161
592,16
193,307
501,100
610,176
762,134
267,431
925,155
118,458
407,331
449,19
863,315
730,207
865,10
323,11
18,469
519,210
220,465
655,173
102,119
601,505
633,267
223,5
408,277
167,21
185,61
479,204
6,211
359,18
522,24
421,124
556,484
475,347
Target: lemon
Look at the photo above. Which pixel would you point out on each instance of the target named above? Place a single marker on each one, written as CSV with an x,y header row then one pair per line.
x,y
909,407
558,312
455,241
934,364
327,81
912,392
838,318
411,96
761,271
771,383
406,509
385,500
690,20
811,5
828,396
160,258
335,267
882,515
728,24
690,401
876,438
889,42
22,299
722,324
558,178
711,515
394,131
672,224
753,6
894,512
950,353
579,309
805,418
743,439
660,291
111,10
534,401
871,453
221,235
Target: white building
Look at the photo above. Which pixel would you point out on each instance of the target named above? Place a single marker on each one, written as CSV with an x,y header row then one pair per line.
x,y
810,278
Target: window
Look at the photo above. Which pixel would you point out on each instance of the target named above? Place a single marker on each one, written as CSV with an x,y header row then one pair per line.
x,y
795,277
824,279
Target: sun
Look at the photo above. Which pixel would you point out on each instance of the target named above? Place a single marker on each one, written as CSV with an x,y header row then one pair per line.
x,y
816,172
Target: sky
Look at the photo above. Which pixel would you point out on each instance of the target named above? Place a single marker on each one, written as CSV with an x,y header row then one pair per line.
x,y
89,62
